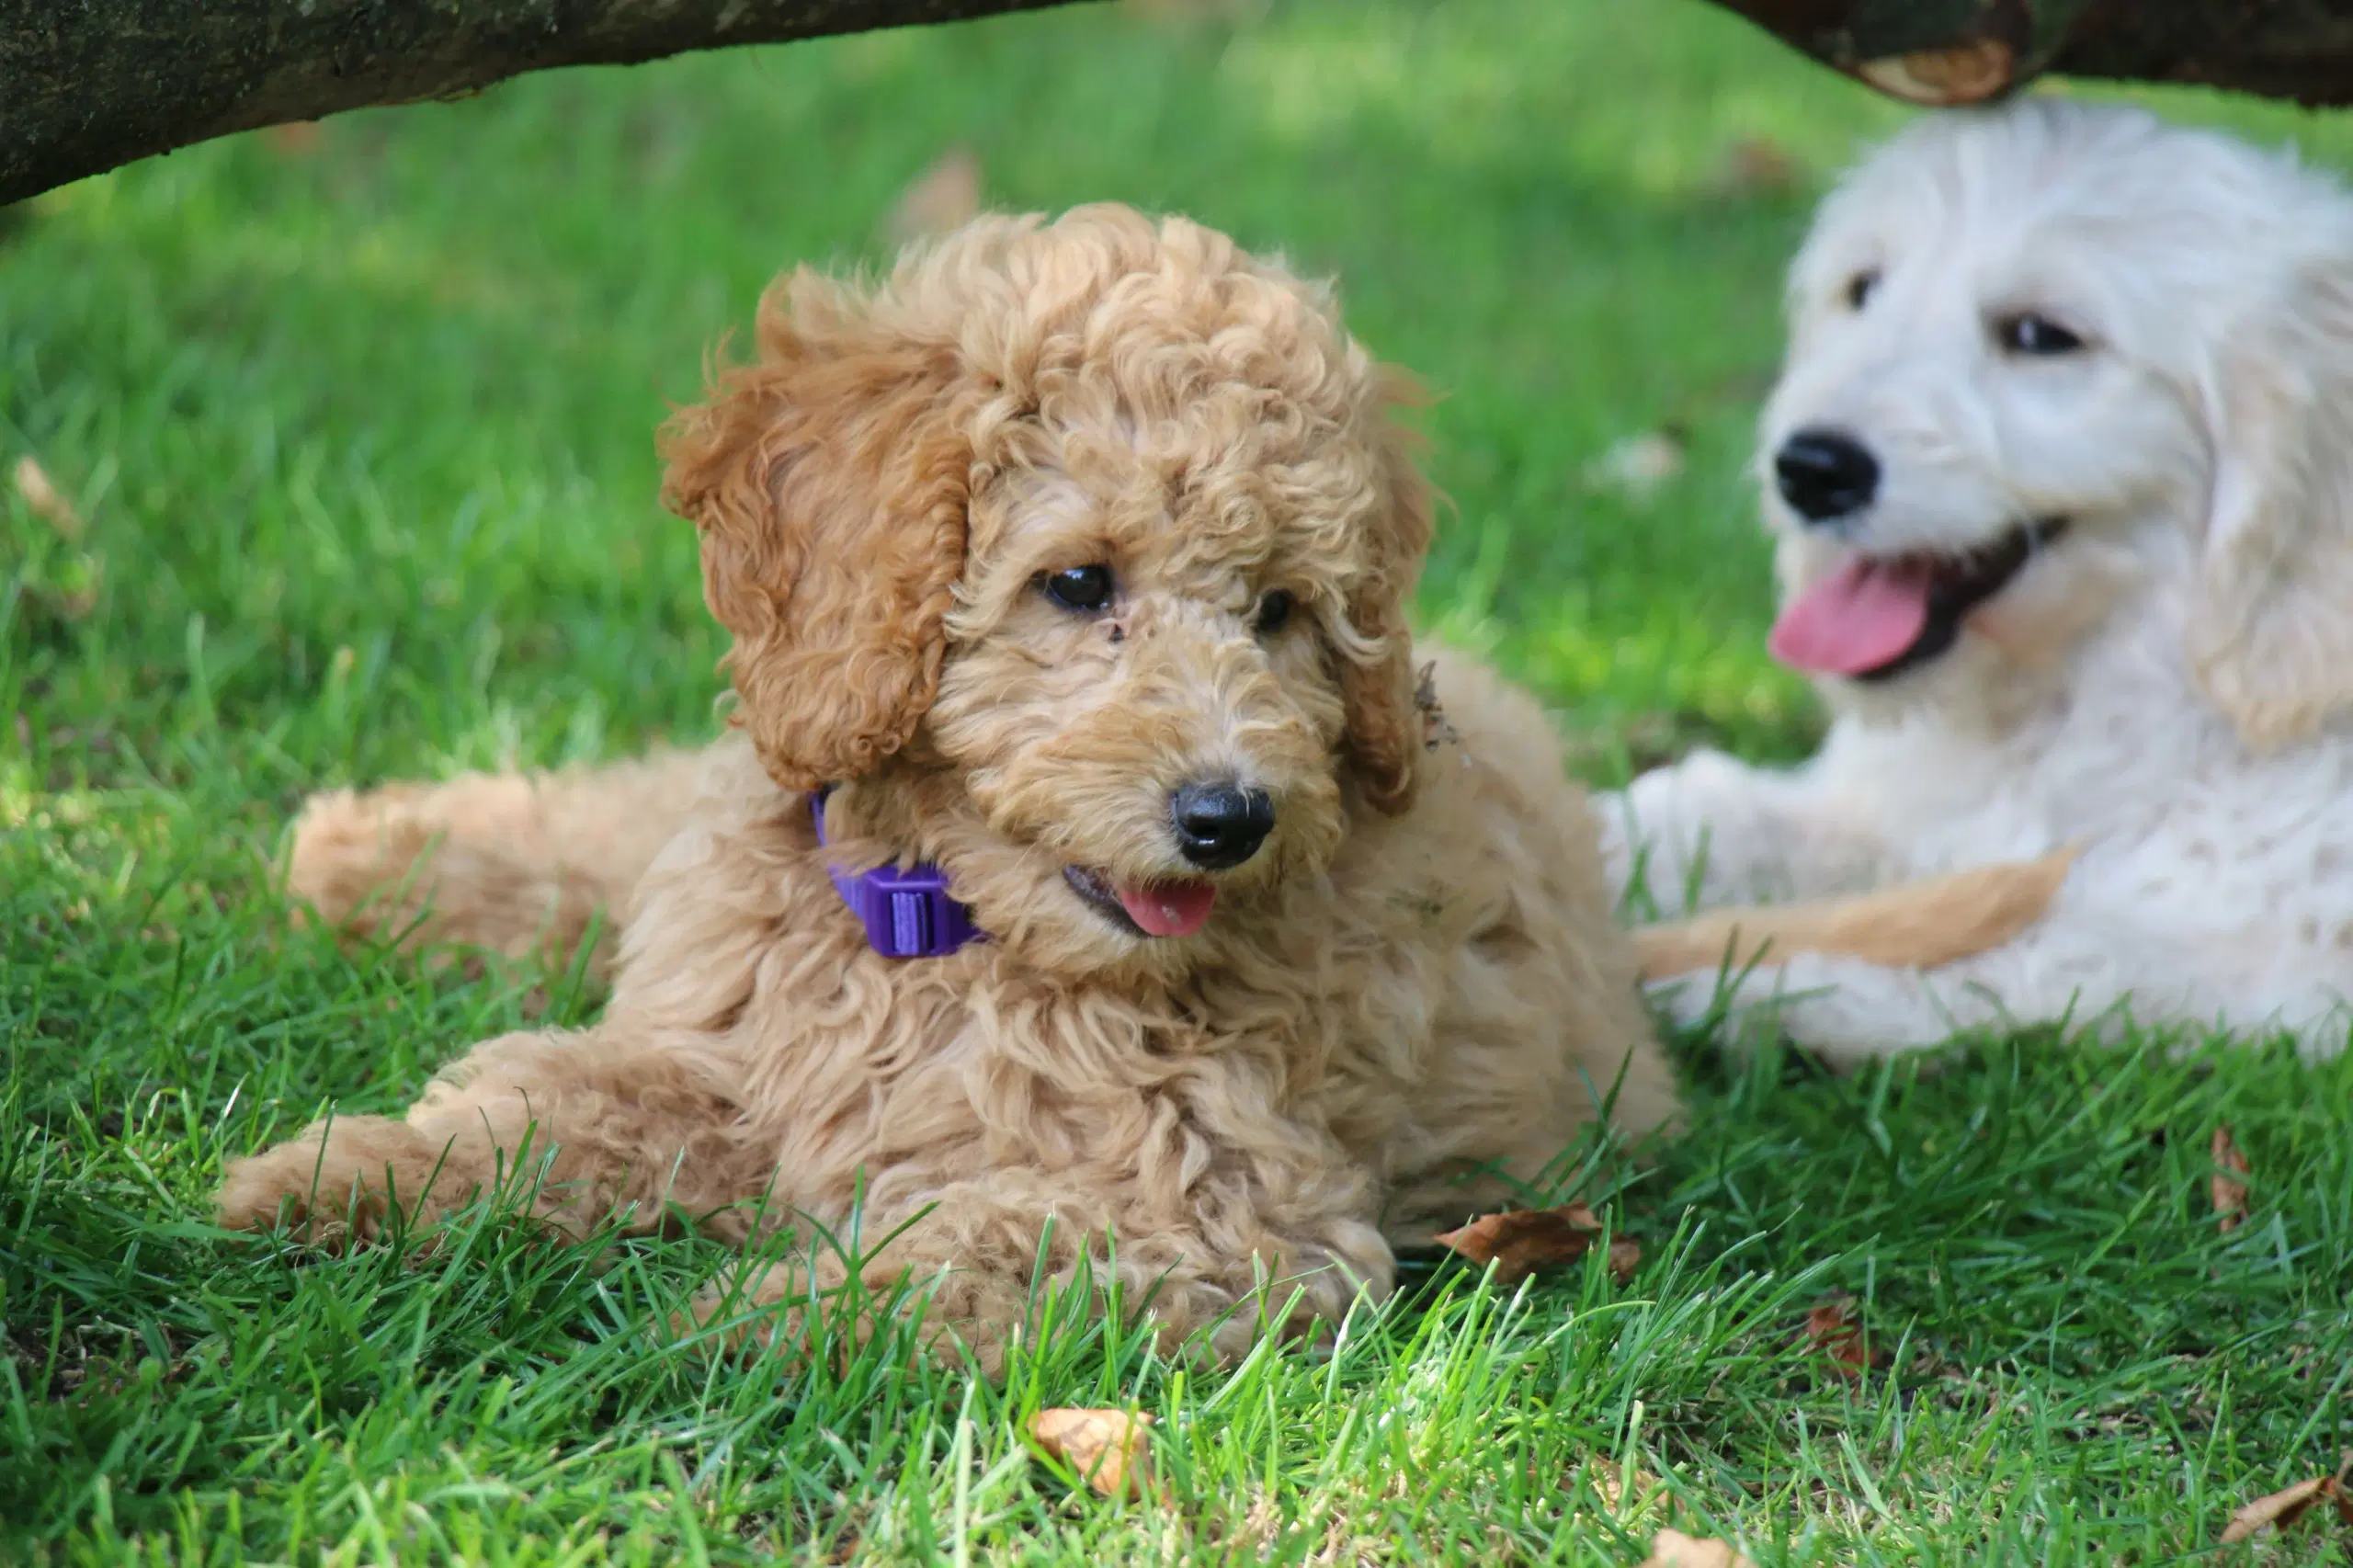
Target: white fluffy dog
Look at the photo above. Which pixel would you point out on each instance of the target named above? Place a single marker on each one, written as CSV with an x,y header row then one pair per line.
x,y
2060,473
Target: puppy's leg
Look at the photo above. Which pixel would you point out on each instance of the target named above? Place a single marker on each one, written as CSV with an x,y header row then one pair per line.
x,y
1922,925
588,1126
1710,831
517,864
982,1255
2076,966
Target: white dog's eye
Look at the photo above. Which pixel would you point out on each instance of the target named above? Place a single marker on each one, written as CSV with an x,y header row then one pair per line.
x,y
2027,333
1273,611
1859,286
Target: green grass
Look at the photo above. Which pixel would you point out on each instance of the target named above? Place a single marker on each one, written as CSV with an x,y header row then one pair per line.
x,y
362,432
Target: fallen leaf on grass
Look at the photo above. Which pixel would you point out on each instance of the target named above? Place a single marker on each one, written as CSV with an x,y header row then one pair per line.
x,y
68,590
2226,1188
1521,1241
944,197
1831,1329
1757,164
1109,1447
1673,1549
48,503
1608,1482
2284,1508
1614,1489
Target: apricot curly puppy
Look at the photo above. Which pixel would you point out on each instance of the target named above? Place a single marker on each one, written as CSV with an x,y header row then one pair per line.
x,y
1071,561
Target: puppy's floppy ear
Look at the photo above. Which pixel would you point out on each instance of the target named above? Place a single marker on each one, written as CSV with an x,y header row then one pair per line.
x,y
2270,634
828,480
1384,723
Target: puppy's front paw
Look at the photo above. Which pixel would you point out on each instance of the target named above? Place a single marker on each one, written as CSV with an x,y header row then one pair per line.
x,y
338,1182
813,1306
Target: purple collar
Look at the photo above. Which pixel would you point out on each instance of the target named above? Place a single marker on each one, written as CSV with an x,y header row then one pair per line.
x,y
907,915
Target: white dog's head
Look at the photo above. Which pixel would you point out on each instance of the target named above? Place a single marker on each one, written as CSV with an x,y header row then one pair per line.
x,y
2049,360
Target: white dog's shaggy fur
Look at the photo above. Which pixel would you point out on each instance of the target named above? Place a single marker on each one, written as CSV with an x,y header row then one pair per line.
x,y
2061,313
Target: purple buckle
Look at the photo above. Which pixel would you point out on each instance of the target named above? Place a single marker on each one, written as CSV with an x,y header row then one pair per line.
x,y
907,915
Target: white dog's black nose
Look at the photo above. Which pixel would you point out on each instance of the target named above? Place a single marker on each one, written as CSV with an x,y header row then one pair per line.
x,y
1825,475
1219,825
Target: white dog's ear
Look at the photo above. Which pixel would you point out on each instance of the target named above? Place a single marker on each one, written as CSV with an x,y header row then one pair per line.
x,y
2270,636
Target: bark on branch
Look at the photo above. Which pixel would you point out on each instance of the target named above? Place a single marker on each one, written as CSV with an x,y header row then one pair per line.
x,y
1957,51
87,85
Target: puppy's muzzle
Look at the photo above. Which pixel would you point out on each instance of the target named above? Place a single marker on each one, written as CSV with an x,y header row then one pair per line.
x,y
1220,825
1825,475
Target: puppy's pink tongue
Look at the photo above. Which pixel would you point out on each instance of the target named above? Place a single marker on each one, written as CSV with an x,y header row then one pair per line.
x,y
1861,617
1169,909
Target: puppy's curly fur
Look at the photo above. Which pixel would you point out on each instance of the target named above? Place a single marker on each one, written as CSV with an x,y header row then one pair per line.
x,y
1413,991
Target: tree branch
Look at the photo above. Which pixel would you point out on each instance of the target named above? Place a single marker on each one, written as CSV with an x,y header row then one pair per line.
x,y
87,85
1957,51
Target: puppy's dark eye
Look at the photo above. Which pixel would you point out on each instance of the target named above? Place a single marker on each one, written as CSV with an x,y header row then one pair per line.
x,y
1859,286
1082,588
1273,611
2027,333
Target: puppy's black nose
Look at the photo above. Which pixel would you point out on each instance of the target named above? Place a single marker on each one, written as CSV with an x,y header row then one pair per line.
x,y
1825,475
1219,826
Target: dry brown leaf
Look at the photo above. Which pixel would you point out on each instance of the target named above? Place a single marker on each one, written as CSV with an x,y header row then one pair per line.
x,y
1757,163
1109,1447
48,503
1673,1549
944,197
2228,1191
72,605
1616,1490
2284,1508
1608,1481
1830,1329
1519,1242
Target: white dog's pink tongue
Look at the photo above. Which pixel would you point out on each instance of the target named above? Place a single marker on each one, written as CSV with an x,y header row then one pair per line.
x,y
1861,617
1169,909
